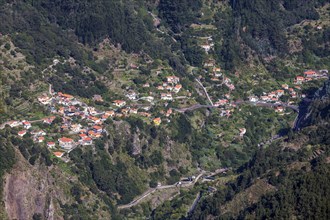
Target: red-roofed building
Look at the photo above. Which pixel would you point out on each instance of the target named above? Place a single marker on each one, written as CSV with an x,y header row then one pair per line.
x,y
51,144
157,121
66,143
310,74
177,88
119,103
279,109
26,124
41,139
86,141
58,153
22,133
97,128
299,80
173,79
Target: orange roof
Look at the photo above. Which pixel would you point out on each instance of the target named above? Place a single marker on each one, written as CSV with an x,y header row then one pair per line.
x,y
65,139
82,135
309,72
118,101
51,143
58,154
22,132
67,96
87,139
94,118
97,127
157,120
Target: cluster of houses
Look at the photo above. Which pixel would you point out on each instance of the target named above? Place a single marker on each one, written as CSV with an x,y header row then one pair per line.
x,y
73,112
275,95
38,135
171,85
216,76
311,75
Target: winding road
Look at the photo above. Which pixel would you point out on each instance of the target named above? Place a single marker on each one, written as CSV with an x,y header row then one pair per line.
x,y
150,191
205,91
263,104
183,184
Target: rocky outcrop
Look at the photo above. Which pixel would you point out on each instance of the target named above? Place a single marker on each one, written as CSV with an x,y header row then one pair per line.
x,y
315,110
28,190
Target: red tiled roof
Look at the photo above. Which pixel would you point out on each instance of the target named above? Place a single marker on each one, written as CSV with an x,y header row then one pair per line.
x,y
58,154
65,139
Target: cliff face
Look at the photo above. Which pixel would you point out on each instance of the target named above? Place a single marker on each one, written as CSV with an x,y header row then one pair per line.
x,y
29,190
316,110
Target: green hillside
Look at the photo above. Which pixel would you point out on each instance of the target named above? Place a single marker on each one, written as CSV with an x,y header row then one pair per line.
x,y
164,109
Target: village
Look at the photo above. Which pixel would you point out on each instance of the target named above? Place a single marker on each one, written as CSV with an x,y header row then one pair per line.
x,y
82,123
292,93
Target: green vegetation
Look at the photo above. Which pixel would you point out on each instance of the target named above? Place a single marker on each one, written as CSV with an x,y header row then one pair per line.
x,y
300,189
110,48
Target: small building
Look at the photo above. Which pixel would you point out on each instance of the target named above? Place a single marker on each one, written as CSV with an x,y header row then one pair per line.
x,y
279,109
253,98
51,144
206,47
97,128
131,95
299,80
119,103
168,112
41,139
146,85
166,96
66,143
26,124
221,102
45,100
285,86
177,88
65,96
173,79
49,120
76,128
310,74
13,124
279,92
86,141
264,98
133,111
157,121
242,132
22,133
110,113
58,154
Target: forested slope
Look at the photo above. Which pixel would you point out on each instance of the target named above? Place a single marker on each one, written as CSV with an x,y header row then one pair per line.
x,y
300,176
111,48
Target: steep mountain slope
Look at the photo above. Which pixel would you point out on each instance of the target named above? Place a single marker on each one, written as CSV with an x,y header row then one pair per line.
x,y
101,53
300,177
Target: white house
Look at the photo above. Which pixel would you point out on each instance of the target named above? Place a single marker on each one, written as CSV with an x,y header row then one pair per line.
x,y
66,143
